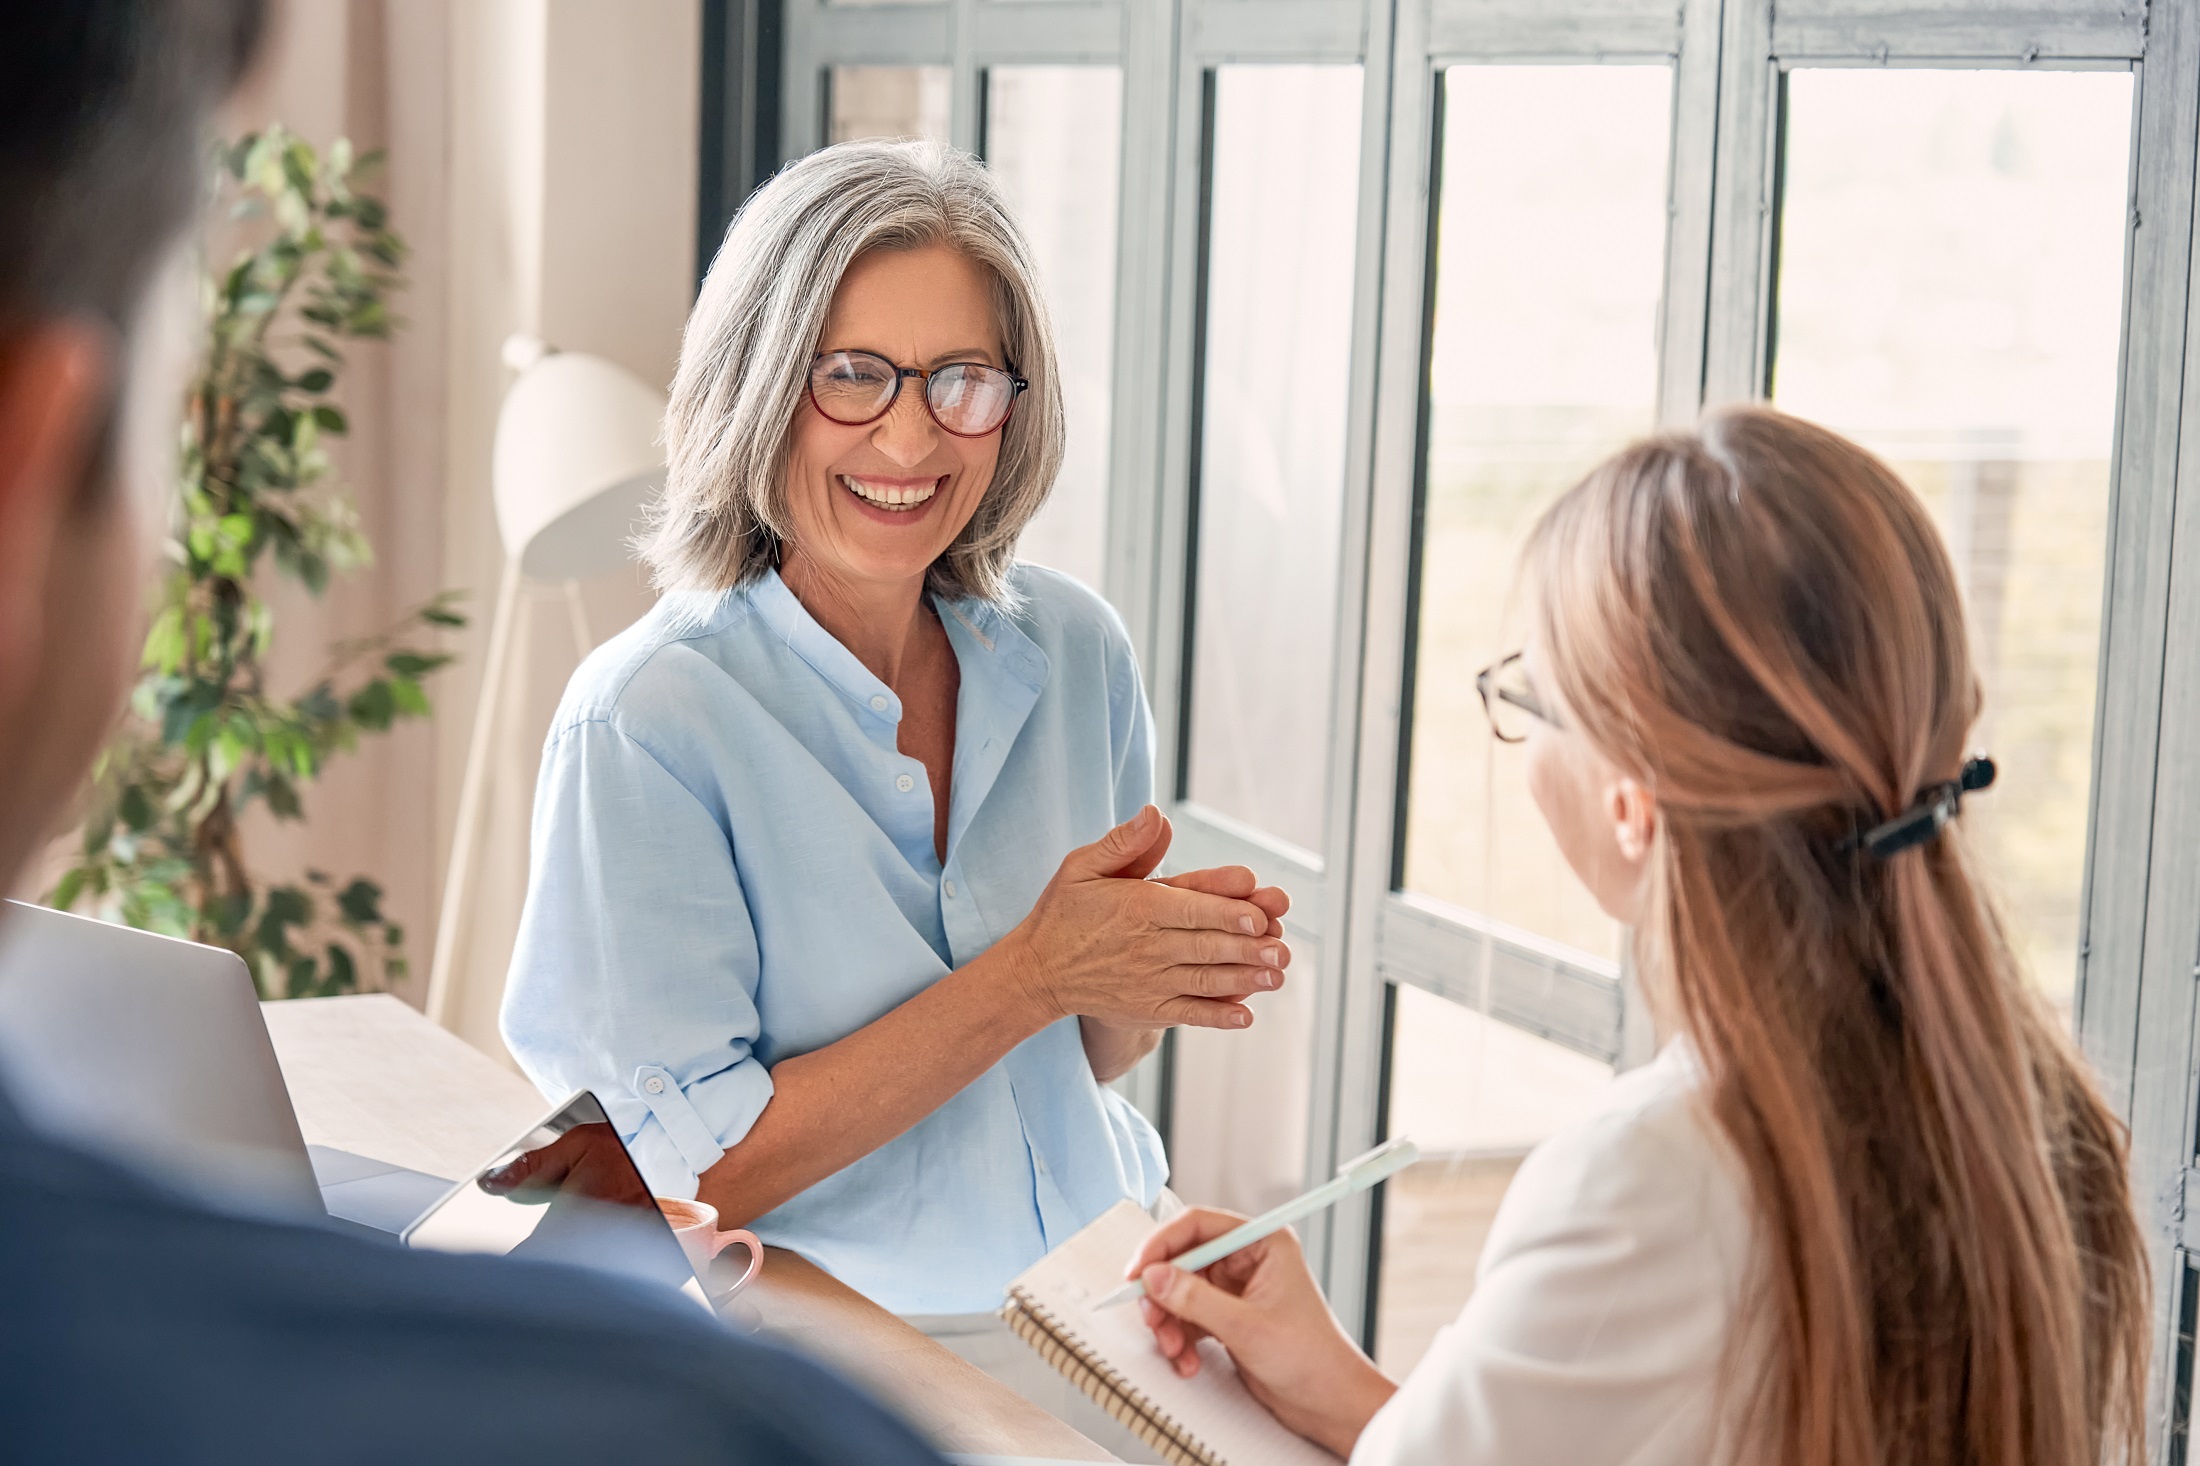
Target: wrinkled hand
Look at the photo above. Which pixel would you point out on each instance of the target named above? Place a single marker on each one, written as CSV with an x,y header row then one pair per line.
x,y
1234,881
1105,943
1262,1304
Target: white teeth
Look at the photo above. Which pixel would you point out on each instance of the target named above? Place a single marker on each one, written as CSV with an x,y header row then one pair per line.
x,y
888,497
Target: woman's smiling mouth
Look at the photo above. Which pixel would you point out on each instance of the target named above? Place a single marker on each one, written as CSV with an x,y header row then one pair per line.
x,y
893,495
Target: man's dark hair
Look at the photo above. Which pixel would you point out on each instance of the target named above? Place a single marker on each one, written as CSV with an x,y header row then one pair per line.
x,y
103,105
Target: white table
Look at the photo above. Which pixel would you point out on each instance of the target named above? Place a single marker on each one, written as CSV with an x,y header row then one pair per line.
x,y
371,1076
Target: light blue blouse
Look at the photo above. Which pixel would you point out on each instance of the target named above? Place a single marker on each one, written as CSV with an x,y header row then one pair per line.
x,y
733,863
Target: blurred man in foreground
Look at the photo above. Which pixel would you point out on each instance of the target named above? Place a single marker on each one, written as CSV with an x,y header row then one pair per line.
x,y
135,1326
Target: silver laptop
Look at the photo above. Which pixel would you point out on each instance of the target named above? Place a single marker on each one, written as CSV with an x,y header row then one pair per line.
x,y
153,1051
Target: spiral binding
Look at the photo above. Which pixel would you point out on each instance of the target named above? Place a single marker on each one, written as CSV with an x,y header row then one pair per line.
x,y
1036,1324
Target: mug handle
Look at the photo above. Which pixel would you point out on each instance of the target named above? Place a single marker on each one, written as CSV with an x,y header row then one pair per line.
x,y
720,1241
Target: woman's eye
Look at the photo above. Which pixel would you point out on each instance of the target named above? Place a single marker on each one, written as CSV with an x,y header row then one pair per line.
x,y
857,374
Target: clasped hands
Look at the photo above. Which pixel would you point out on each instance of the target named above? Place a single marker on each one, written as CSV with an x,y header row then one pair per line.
x,y
1106,943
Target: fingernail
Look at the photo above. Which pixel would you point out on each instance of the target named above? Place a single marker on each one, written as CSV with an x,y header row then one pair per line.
x,y
1245,925
1270,980
1273,956
1239,1020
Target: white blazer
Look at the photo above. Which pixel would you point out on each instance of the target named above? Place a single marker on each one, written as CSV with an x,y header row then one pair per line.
x,y
1602,1302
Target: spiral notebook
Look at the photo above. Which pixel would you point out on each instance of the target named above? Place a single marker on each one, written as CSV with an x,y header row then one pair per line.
x,y
1208,1420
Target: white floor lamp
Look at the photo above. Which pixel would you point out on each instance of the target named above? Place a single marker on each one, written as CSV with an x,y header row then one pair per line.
x,y
576,462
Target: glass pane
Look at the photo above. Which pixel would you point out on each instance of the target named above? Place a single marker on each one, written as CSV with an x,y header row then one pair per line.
x,y
1550,258
1053,136
1241,1100
1950,293
1282,215
1476,1095
888,101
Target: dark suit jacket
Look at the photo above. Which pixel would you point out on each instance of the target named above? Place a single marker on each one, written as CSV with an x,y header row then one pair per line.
x,y
137,1326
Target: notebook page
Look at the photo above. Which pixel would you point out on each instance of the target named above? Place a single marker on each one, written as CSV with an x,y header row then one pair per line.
x,y
1214,1405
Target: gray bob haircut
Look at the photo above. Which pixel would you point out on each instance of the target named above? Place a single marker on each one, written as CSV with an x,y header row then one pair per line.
x,y
745,361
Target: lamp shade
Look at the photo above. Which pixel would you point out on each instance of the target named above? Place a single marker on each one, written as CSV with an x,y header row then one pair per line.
x,y
576,463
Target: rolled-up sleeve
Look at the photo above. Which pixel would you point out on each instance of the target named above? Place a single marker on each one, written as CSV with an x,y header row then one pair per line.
x,y
1130,727
636,969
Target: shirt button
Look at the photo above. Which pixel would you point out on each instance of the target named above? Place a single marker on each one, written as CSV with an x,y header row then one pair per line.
x,y
904,783
1041,1163
950,890
878,702
655,1084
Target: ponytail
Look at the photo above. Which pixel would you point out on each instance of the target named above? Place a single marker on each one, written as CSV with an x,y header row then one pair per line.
x,y
1759,621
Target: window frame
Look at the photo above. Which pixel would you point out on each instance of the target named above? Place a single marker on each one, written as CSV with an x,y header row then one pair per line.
x,y
2138,984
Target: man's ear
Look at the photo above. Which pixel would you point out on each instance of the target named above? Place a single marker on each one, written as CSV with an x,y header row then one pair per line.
x,y
1633,810
54,385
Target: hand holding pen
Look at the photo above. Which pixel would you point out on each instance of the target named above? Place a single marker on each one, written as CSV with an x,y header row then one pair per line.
x,y
1258,1299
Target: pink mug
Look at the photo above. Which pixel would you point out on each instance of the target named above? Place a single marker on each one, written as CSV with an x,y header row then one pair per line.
x,y
695,1223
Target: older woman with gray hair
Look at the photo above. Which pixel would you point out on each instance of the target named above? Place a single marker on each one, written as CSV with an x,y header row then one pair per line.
x,y
838,896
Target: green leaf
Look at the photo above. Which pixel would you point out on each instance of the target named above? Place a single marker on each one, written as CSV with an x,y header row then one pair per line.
x,y
343,973
361,902
67,889
288,906
228,913
320,379
374,705
282,798
414,664
330,419
97,832
164,641
410,700
440,616
136,810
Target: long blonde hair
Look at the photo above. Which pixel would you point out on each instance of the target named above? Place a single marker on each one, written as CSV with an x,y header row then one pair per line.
x,y
1758,620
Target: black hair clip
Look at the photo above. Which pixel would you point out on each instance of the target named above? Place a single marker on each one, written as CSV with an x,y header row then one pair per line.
x,y
1926,818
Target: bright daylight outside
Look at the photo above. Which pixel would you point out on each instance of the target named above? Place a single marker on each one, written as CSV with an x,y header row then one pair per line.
x,y
1951,271
1550,253
1948,276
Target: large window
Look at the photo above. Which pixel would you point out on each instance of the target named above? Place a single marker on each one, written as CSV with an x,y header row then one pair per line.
x,y
1347,290
1548,265
1549,262
1054,138
1276,358
1950,292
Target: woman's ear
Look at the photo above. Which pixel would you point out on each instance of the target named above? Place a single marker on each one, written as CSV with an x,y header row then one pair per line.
x,y
1633,810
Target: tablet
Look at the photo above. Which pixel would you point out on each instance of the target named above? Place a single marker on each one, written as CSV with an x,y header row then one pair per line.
x,y
565,1192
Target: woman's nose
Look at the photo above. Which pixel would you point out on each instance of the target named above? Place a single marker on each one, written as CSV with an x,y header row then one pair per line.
x,y
907,433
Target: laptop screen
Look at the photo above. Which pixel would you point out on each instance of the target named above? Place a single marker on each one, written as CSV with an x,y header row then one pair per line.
x,y
566,1192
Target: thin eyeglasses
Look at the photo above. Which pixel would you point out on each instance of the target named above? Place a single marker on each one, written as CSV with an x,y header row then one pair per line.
x,y
1506,694
966,398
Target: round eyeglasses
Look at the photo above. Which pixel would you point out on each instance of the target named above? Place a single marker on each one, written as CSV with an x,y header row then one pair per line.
x,y
967,398
1510,699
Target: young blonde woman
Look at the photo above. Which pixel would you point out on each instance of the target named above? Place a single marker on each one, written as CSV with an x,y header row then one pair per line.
x,y
1867,1205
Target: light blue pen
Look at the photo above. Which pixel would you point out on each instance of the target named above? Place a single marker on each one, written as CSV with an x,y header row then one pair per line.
x,y
1354,1175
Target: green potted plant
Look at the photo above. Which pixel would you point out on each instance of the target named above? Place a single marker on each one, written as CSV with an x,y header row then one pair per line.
x,y
208,737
